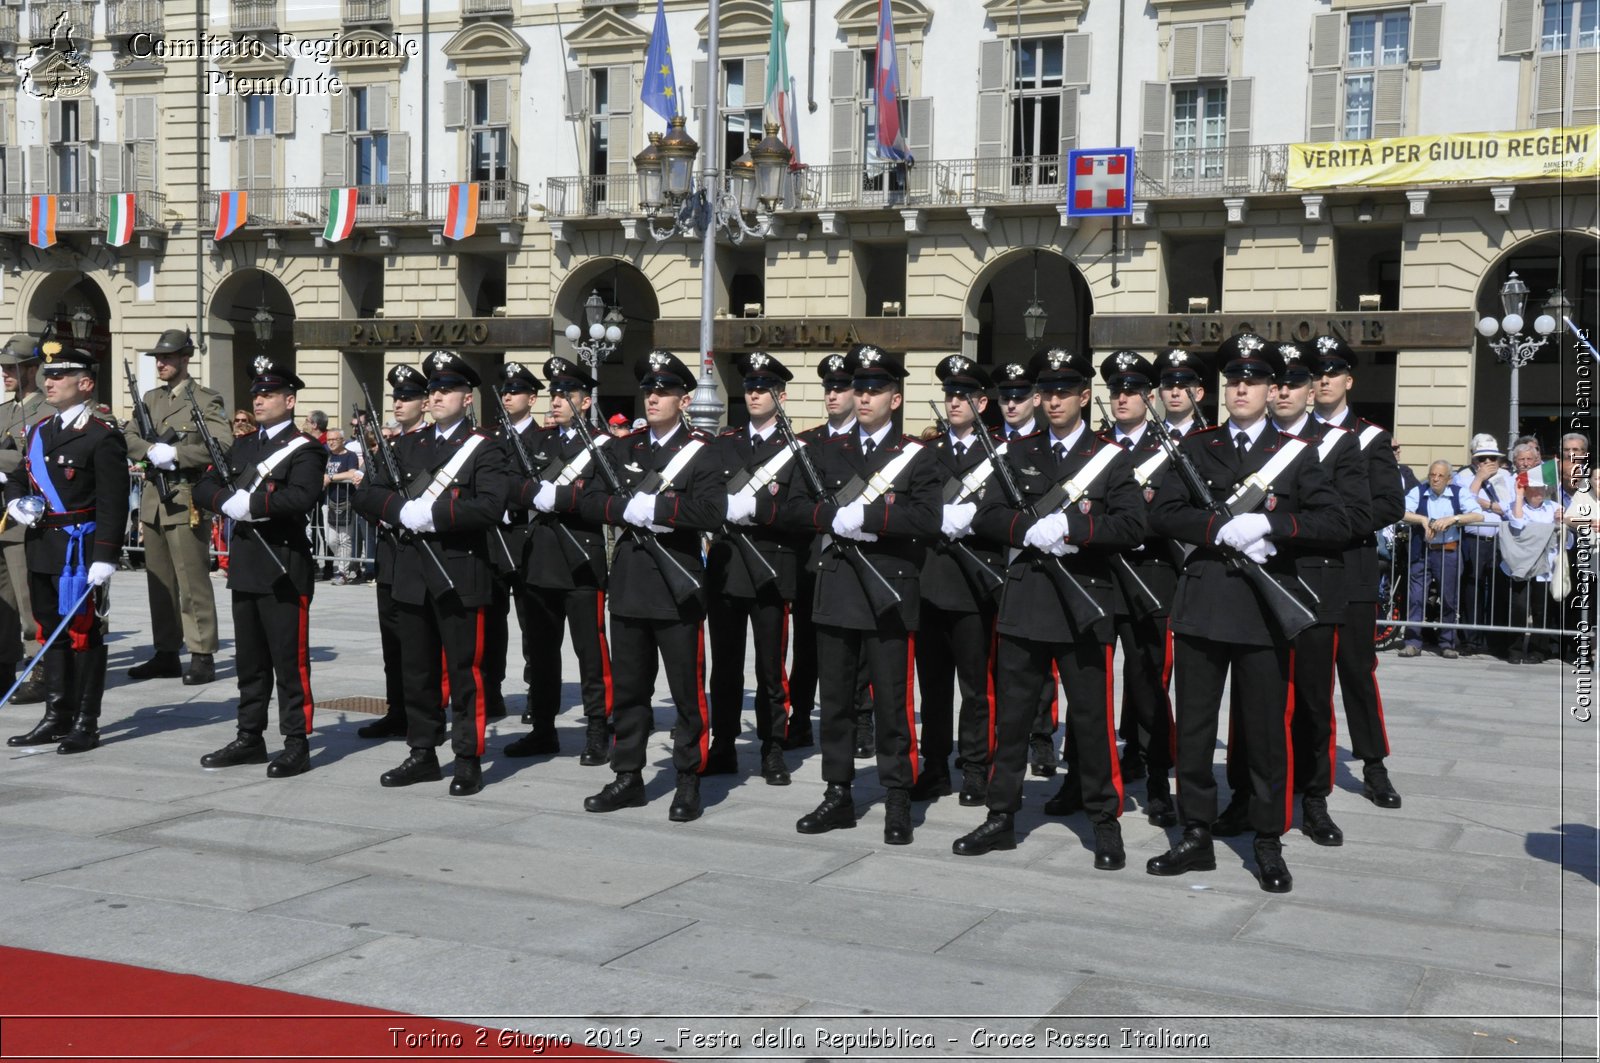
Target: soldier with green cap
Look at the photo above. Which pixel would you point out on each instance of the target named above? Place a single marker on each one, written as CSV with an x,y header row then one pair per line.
x,y
23,408
177,533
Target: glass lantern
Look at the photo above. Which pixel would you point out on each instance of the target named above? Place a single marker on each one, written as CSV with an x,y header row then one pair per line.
x,y
771,157
648,165
678,150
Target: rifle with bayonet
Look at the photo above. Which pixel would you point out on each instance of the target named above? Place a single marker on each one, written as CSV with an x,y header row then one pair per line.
x,y
219,461
762,574
399,484
574,550
147,430
982,575
1141,599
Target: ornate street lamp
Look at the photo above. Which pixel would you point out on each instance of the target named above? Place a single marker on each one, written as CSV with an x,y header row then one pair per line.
x,y
742,180
82,323
678,150
771,157
1514,348
1033,318
596,343
261,322
648,164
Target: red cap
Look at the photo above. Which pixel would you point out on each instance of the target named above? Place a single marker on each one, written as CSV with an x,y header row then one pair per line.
x,y
618,418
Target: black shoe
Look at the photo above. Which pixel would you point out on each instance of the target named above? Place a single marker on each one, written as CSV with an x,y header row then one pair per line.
x,y
897,817
1041,756
1235,819
1132,766
1275,877
1377,788
388,727
422,765
722,760
932,784
1316,824
32,691
202,670
625,791
246,749
1068,799
468,778
836,812
1109,855
596,740
162,666
999,831
53,727
1159,811
294,760
974,787
541,741
686,802
866,737
773,769
84,736
1193,853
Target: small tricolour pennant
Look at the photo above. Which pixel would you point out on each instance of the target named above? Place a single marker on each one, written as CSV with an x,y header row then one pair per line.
x,y
341,214
461,211
119,218
1100,181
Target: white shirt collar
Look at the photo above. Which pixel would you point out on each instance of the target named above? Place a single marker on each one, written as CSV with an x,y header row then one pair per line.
x,y
272,433
71,416
1293,429
1185,427
1336,420
968,440
1254,431
846,430
662,440
1072,438
1133,437
761,437
877,437
522,425
441,434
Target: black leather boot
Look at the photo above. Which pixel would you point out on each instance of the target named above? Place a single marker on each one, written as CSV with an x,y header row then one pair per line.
x,y
625,791
294,760
1376,786
686,802
1316,824
246,749
1041,756
51,728
836,812
540,741
997,832
58,709
422,765
1158,807
1193,853
468,778
164,665
897,817
31,692
1109,855
722,759
596,742
1235,819
202,670
88,687
932,782
773,767
974,787
866,735
1275,877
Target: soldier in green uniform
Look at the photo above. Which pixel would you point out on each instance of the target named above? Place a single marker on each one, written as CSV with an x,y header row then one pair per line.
x,y
177,533
23,408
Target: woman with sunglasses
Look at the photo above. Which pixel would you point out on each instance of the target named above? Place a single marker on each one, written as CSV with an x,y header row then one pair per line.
x,y
244,423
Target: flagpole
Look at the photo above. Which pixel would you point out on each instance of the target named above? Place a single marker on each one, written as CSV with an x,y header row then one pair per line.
x,y
707,408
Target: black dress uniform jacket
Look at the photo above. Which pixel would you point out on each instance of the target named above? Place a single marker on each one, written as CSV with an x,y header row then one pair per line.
x,y
285,498
1322,568
549,560
1155,561
725,564
945,582
1387,496
87,462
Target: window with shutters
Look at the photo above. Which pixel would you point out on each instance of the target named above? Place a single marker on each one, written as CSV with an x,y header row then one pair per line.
x,y
1374,41
1361,67
1036,111
1570,24
131,164
741,107
880,176
1028,111
489,135
1199,130
369,138
599,123
1567,72
71,129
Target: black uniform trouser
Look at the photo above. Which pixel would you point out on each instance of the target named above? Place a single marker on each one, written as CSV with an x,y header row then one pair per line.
x,y
1314,732
1261,674
1146,707
66,666
271,643
442,649
956,649
1357,662
639,646
1085,669
546,615
889,654
497,643
767,615
394,687
803,672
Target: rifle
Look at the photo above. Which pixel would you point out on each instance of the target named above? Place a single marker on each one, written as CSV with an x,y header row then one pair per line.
x,y
1141,599
399,484
881,595
683,584
979,572
147,430
1291,614
219,461
762,574
1083,609
569,542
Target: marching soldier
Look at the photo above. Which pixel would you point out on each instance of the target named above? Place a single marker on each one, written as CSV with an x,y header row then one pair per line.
x,y
177,534
24,408
565,574
753,593
518,386
273,481
1283,500
1078,501
408,393
1357,654
883,502
1182,380
959,599
454,495
670,490
79,465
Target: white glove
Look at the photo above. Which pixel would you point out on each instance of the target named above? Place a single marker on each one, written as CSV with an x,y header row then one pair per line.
x,y
659,529
237,505
861,536
641,511
99,572
847,521
21,515
957,520
741,507
417,515
163,455
544,500
1046,531
1259,551
1061,548
1244,529
2,477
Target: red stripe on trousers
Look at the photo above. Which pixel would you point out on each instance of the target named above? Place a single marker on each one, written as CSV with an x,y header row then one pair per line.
x,y
303,652
1377,697
783,671
1166,684
480,703
605,647
700,695
1333,717
1111,726
444,678
1288,749
994,649
911,702
1055,697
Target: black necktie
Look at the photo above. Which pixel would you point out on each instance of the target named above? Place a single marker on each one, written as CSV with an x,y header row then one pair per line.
x,y
868,445
1126,442
654,446
1175,433
1061,451
961,450
1241,440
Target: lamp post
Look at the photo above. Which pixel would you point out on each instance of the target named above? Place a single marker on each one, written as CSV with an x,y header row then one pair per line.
x,y
82,323
596,343
1514,348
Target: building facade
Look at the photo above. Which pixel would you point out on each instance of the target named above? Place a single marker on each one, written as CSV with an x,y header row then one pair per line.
x,y
260,111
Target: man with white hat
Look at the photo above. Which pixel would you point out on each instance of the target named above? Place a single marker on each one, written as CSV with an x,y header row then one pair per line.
x,y
1487,479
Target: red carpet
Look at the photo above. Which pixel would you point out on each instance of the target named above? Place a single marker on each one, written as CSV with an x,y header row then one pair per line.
x,y
69,1008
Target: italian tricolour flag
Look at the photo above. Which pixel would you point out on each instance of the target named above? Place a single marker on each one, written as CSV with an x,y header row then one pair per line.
x,y
341,214
119,218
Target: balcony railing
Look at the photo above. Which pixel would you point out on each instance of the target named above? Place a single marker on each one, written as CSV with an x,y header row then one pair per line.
x,y
485,7
43,19
1257,169
84,211
592,197
376,205
247,16
124,18
8,26
366,12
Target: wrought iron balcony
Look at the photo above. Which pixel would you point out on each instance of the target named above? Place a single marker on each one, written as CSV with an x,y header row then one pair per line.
x,y
8,26
1254,170
388,206
593,197
84,211
366,12
76,20
476,8
124,18
249,16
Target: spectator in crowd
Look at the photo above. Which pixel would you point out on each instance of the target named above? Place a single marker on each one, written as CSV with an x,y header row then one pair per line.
x,y
1408,478
1525,454
1487,480
244,422
338,518
391,430
618,425
1529,556
1438,511
317,425
1573,465
1575,471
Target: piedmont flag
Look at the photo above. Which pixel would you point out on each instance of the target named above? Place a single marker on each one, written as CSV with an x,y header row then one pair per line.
x,y
341,214
461,211
780,106
1099,182
232,210
119,218
41,221
659,89
891,140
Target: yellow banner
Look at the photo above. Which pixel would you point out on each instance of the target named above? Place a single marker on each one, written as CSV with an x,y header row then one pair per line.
x,y
1573,151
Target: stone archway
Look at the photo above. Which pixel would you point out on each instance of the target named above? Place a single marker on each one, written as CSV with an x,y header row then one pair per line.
x,y
78,313
622,285
1003,290
231,330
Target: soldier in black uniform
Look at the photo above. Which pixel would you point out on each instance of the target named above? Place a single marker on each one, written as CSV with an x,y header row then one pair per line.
x,y
1219,622
1073,528
1357,655
675,493
746,595
409,393
565,572
276,477
444,581
1183,387
886,504
959,597
79,464
518,386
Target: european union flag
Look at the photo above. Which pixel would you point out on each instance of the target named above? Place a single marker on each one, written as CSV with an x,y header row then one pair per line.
x,y
659,90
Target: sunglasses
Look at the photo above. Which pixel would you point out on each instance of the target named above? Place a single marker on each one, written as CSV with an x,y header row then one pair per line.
x,y
241,420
